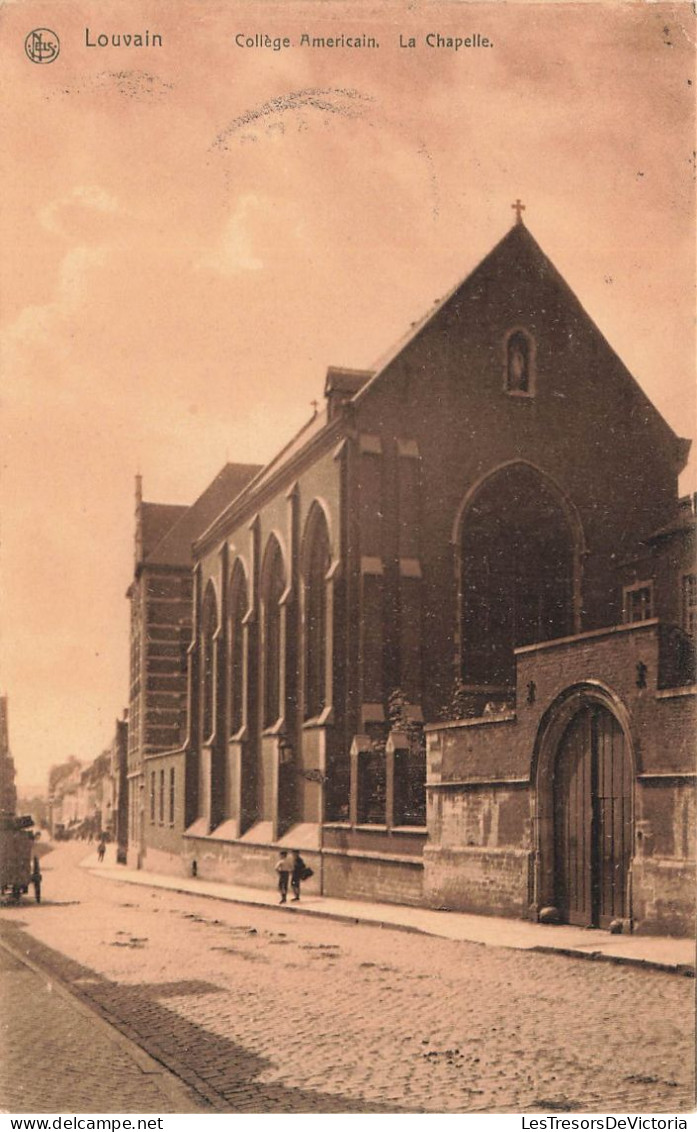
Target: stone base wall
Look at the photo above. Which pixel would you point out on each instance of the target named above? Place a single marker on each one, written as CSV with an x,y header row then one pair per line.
x,y
663,896
160,861
249,865
490,882
348,876
358,877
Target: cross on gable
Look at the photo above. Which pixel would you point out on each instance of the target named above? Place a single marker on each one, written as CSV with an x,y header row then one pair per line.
x,y
315,406
519,210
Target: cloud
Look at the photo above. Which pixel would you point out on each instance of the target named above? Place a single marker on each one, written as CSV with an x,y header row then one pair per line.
x,y
84,210
38,325
235,251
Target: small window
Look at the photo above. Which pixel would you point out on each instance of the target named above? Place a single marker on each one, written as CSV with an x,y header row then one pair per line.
x,y
520,356
638,602
689,604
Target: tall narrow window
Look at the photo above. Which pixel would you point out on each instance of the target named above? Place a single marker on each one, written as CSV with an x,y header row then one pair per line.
x,y
152,795
689,604
238,612
162,797
317,565
371,498
411,630
519,363
273,588
171,795
209,625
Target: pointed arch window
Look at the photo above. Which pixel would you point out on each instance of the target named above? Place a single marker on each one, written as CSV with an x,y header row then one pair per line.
x,y
318,559
517,552
239,605
273,588
209,628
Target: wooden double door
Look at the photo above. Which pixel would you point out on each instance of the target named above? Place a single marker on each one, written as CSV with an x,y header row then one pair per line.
x,y
593,784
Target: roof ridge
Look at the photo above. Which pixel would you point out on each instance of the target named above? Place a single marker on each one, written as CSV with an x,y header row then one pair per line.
x,y
228,466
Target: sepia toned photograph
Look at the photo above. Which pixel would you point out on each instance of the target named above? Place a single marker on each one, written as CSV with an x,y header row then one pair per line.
x,y
347,561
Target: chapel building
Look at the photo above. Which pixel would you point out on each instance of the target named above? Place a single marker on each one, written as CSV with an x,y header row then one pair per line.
x,y
443,643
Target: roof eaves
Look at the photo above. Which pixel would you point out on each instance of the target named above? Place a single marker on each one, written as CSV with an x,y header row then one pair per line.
x,y
268,476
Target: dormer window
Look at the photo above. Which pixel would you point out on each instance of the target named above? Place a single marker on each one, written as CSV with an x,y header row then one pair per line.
x,y
519,363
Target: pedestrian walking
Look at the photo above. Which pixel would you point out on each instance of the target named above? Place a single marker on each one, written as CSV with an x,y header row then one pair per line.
x,y
300,872
284,867
101,849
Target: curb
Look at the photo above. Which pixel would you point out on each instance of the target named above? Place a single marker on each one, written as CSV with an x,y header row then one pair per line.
x,y
620,960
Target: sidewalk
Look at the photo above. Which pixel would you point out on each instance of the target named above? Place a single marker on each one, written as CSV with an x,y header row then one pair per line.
x,y
658,952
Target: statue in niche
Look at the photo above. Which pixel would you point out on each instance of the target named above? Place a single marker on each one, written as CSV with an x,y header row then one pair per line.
x,y
518,373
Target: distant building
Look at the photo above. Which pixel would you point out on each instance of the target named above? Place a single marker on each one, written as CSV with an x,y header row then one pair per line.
x,y
444,641
86,800
63,783
8,790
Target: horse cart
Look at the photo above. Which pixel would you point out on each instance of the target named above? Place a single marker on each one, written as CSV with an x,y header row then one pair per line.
x,y
19,866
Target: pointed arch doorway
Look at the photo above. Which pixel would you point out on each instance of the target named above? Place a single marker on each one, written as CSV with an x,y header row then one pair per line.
x,y
592,825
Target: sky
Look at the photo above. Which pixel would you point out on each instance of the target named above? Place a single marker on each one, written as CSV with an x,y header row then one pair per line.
x,y
191,234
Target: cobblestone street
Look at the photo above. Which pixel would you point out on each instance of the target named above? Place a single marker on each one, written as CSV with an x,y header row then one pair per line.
x,y
54,1057
256,1010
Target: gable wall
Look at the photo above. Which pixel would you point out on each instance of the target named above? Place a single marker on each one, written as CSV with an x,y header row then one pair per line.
x,y
587,426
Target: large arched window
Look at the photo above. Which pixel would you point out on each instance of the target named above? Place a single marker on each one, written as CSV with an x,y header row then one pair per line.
x,y
209,627
239,605
273,587
317,560
517,583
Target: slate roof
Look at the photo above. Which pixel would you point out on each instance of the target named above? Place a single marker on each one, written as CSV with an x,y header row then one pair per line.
x,y
357,384
155,520
188,523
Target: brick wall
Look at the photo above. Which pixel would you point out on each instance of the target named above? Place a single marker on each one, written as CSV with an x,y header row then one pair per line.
x,y
662,721
480,832
445,391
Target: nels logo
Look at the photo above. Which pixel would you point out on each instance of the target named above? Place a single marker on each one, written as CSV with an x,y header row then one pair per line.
x,y
42,45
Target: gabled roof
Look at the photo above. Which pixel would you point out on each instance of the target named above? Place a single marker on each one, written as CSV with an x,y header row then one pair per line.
x,y
174,548
155,520
518,244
